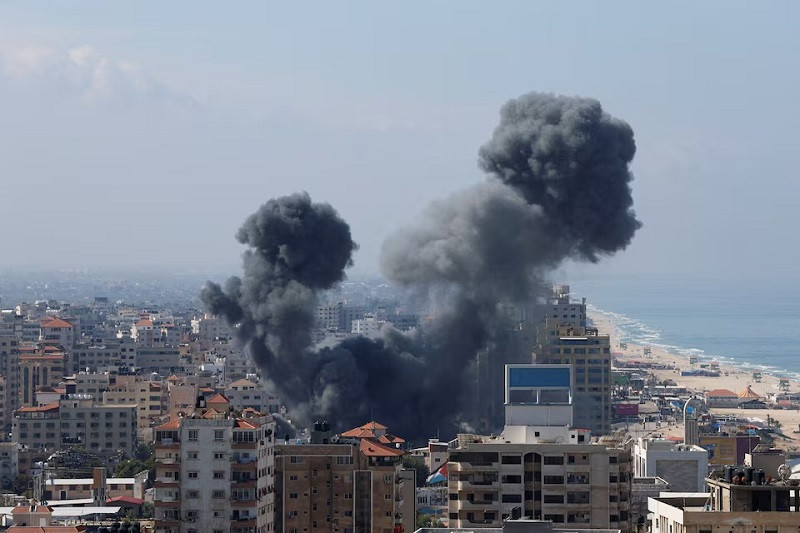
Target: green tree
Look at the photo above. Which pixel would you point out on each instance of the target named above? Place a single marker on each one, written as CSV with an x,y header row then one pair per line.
x,y
418,464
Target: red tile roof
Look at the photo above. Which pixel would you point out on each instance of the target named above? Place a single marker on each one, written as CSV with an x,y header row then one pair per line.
x,y
39,409
217,398
172,424
125,499
244,424
391,439
144,323
720,392
56,323
373,449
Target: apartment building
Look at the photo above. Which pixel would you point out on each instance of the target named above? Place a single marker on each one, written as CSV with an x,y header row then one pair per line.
x,y
752,505
101,355
245,394
148,396
683,466
214,474
76,421
58,332
589,354
9,370
39,366
541,466
9,462
161,359
357,486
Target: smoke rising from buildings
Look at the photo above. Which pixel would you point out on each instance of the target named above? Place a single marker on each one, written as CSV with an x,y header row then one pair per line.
x,y
558,187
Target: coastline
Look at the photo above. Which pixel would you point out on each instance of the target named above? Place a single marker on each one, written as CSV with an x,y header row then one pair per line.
x,y
733,376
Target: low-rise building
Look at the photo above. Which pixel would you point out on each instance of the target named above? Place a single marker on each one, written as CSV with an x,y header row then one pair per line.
x,y
683,466
721,398
729,506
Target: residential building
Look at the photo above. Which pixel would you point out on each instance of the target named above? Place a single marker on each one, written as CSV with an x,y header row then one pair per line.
x,y
102,355
161,359
215,472
9,370
149,397
245,394
61,489
757,505
589,354
683,466
541,466
355,486
9,462
58,332
642,489
39,366
75,421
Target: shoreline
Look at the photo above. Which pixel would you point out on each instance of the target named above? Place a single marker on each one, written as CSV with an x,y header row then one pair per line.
x,y
735,377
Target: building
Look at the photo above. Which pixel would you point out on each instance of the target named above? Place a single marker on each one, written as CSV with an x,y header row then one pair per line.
x,y
356,485
101,355
683,466
642,489
742,508
721,398
724,449
147,396
75,421
215,472
245,394
56,331
98,487
541,466
9,462
9,370
41,366
589,354
161,359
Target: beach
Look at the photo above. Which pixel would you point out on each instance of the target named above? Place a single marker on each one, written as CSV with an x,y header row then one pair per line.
x,y
731,377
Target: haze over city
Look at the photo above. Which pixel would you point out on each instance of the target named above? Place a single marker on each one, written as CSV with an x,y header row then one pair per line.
x,y
140,138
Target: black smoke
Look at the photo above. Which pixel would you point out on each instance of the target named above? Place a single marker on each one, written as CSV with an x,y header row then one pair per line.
x,y
558,187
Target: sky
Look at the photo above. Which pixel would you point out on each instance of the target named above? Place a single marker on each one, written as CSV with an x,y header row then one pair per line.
x,y
141,134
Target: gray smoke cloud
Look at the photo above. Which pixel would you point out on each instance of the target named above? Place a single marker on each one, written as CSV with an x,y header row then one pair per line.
x,y
558,187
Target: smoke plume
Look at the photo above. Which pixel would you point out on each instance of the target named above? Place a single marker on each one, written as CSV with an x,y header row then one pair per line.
x,y
558,187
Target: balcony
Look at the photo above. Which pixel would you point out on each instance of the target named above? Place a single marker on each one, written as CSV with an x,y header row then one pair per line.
x,y
167,460
166,482
476,505
172,504
465,466
244,445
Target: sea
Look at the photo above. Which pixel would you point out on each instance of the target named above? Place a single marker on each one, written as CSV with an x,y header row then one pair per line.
x,y
753,324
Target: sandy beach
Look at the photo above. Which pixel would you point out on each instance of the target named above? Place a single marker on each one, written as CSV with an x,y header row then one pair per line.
x,y
731,377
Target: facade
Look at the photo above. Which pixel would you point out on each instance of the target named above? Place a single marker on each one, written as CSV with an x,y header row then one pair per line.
x,y
684,467
761,507
355,487
215,474
161,359
147,396
721,398
9,369
9,462
245,394
728,449
541,467
101,355
589,354
39,367
75,421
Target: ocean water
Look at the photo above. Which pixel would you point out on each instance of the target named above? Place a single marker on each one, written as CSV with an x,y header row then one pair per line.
x,y
755,324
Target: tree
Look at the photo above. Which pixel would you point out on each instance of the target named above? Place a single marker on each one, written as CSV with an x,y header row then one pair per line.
x,y
418,464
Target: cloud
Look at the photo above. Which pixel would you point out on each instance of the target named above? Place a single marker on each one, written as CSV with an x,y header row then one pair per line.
x,y
83,70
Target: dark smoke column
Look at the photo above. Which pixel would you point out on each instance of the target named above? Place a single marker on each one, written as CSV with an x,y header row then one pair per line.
x,y
296,248
571,158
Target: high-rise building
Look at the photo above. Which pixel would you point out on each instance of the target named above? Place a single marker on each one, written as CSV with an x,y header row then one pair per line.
x,y
214,473
357,485
541,466
589,355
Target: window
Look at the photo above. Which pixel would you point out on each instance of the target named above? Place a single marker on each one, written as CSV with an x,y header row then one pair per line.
x,y
511,460
551,498
218,494
192,455
193,434
512,498
219,474
192,494
550,460
192,475
219,434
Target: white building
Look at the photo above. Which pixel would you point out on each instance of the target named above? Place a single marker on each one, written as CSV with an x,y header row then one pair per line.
x,y
721,398
684,467
540,467
369,326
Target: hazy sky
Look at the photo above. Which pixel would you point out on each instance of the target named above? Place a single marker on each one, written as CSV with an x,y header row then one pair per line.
x,y
142,133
